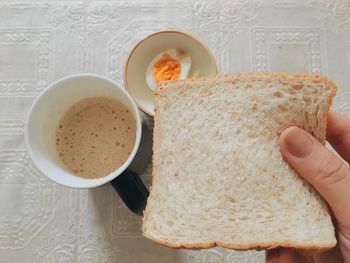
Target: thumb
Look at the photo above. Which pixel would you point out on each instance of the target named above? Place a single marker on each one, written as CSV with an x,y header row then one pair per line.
x,y
323,170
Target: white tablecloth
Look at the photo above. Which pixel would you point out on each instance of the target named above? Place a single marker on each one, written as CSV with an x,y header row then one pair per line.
x,y
42,41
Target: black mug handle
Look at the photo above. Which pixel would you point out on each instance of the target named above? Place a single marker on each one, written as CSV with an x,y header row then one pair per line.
x,y
131,190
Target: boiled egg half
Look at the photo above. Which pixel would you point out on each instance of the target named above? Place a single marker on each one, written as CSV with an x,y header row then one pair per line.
x,y
172,64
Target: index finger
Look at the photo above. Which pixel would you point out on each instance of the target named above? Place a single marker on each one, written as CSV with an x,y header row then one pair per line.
x,y
338,134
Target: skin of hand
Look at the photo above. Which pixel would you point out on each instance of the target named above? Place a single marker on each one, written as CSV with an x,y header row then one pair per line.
x,y
329,175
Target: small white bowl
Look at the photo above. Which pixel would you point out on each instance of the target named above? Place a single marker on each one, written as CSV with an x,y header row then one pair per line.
x,y
203,63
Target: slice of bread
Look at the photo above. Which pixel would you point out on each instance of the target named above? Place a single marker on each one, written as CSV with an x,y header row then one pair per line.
x,y
218,175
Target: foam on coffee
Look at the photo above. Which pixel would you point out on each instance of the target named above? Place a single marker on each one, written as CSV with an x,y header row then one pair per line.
x,y
95,136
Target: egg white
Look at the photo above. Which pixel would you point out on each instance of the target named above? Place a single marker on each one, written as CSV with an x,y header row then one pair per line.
x,y
184,61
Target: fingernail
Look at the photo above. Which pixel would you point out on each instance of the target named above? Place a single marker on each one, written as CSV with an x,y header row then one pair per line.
x,y
298,142
272,256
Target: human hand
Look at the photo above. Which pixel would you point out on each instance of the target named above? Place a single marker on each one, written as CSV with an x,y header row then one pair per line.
x,y
329,175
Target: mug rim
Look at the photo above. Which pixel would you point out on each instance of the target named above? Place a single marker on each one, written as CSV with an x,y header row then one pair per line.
x,y
95,182
126,64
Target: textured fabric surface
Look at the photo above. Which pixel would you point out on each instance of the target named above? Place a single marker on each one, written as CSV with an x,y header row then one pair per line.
x,y
42,41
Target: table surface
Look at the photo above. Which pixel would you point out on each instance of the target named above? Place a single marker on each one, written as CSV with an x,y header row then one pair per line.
x,y
42,41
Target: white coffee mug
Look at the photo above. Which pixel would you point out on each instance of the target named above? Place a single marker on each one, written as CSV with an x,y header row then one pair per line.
x,y
40,133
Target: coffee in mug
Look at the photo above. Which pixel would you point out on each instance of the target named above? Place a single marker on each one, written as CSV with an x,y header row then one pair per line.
x,y
95,136
84,131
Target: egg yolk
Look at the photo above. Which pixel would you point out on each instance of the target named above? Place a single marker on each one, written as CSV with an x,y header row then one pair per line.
x,y
166,68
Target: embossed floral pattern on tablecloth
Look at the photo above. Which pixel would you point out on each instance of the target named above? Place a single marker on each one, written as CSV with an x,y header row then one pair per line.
x,y
42,41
